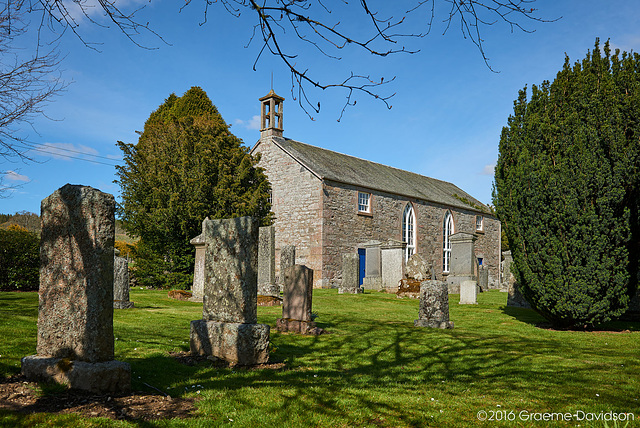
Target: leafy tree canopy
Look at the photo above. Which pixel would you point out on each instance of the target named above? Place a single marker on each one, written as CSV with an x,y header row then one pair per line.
x,y
186,166
566,189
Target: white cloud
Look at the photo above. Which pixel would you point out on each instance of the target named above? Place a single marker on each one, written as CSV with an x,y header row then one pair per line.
x,y
253,123
489,169
14,176
65,151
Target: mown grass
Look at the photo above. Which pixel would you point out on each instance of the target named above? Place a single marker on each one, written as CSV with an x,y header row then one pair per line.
x,y
374,369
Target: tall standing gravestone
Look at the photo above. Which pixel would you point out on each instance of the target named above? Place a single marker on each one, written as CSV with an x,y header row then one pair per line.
x,y
267,262
393,265
229,328
463,261
287,259
121,283
197,288
350,270
434,305
296,304
75,313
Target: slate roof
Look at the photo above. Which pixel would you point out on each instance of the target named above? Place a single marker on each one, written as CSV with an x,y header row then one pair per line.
x,y
338,167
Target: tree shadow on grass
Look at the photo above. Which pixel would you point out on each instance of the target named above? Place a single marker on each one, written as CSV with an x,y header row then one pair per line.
x,y
324,374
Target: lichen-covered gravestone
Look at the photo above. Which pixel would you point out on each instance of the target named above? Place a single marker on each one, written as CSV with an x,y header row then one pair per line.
x,y
75,314
267,262
229,328
296,305
350,269
287,259
434,305
121,283
469,292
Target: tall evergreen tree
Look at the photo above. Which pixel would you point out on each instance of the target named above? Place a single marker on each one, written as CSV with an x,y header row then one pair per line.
x,y
186,166
566,189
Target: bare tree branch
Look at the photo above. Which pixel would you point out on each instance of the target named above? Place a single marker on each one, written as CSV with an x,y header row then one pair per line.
x,y
26,84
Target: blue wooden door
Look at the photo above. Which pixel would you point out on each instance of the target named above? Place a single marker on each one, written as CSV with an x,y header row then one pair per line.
x,y
361,272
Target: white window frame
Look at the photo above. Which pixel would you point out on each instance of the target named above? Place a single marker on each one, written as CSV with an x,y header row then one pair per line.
x,y
409,231
447,231
481,225
364,202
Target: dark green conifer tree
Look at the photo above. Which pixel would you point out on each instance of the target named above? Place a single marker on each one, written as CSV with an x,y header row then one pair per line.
x,y
186,166
566,189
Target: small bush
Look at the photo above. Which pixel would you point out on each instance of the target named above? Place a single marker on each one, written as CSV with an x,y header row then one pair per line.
x,y
126,249
19,259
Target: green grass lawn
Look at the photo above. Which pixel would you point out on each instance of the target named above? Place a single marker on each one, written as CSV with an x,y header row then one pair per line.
x,y
374,369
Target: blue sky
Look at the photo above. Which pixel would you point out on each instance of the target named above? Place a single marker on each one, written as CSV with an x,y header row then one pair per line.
x,y
446,117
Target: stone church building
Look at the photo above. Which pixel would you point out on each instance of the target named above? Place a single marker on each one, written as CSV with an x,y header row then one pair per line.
x,y
328,204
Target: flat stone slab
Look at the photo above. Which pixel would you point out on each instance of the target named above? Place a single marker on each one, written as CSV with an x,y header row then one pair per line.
x,y
245,344
433,324
298,326
349,290
104,377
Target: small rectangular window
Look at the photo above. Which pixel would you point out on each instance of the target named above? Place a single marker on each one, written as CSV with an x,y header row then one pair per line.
x,y
479,223
364,202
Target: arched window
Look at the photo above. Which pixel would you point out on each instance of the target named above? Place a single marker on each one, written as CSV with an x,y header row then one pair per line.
x,y
447,231
408,231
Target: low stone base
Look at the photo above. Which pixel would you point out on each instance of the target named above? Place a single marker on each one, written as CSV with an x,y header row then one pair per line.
x,y
433,324
105,377
269,300
372,282
269,290
245,344
121,304
357,290
197,299
298,326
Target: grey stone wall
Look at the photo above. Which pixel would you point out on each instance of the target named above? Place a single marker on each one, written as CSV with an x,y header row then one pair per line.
x,y
309,213
344,228
297,205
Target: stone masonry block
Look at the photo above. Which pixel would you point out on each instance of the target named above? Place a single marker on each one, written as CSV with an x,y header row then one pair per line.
x,y
245,344
103,377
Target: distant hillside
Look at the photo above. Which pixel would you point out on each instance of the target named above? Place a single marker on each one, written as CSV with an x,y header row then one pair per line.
x,y
26,219
31,222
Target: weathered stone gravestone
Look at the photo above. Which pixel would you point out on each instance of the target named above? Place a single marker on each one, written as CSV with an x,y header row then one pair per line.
x,y
287,259
463,260
515,297
121,283
229,328
483,278
373,265
296,304
469,292
393,265
350,269
75,314
197,288
419,268
507,279
267,262
434,305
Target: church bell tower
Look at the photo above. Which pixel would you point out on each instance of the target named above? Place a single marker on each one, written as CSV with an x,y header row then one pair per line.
x,y
271,115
